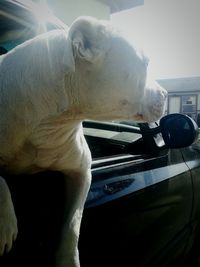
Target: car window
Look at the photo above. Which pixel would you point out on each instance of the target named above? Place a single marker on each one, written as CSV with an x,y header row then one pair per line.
x,y
19,21
113,135
17,24
112,139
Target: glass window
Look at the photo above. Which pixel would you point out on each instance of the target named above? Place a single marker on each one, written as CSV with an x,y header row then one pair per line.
x,y
189,105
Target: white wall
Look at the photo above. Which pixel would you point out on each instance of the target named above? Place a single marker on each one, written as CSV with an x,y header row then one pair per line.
x,y
68,10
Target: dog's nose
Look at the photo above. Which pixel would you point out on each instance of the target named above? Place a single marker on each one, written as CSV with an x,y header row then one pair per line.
x,y
162,92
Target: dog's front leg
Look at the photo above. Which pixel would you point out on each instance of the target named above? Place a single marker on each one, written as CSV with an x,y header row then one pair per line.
x,y
8,220
77,186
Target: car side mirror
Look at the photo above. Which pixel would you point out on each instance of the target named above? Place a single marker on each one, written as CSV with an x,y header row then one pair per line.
x,y
178,130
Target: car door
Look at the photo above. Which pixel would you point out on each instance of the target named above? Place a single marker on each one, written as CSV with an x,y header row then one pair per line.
x,y
191,156
137,211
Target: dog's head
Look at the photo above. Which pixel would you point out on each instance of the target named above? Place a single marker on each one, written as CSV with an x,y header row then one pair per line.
x,y
110,75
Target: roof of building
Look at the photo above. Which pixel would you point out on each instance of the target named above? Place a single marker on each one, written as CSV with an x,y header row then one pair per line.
x,y
179,85
119,5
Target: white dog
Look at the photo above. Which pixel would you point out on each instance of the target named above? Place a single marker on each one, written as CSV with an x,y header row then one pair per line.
x,y
48,86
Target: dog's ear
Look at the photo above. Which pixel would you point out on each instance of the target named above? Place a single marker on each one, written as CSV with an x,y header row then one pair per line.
x,y
86,35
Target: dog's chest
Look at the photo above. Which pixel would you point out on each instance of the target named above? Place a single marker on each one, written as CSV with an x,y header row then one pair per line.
x,y
54,145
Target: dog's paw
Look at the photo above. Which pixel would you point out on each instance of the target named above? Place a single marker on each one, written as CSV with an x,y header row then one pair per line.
x,y
8,220
8,232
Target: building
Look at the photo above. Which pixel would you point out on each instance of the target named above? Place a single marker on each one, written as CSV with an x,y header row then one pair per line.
x,y
183,95
69,10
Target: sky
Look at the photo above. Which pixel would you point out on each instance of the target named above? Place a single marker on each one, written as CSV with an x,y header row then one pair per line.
x,y
168,31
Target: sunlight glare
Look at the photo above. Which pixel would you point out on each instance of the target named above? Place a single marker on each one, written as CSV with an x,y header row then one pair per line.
x,y
168,32
43,15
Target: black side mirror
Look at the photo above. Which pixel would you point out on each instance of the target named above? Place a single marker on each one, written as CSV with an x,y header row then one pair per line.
x,y
178,130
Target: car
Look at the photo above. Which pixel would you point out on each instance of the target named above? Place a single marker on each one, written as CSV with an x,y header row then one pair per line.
x,y
143,207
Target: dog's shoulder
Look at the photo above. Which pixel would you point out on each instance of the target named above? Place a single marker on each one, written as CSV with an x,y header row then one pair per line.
x,y
32,76
43,53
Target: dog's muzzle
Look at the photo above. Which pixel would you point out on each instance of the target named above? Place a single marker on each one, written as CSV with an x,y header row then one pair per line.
x,y
154,103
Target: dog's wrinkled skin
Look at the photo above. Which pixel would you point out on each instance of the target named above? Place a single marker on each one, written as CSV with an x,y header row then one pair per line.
x,y
48,85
